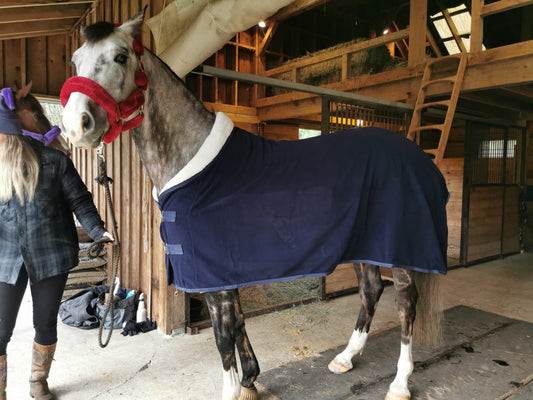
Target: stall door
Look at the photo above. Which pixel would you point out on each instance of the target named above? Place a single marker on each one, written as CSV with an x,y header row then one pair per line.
x,y
493,191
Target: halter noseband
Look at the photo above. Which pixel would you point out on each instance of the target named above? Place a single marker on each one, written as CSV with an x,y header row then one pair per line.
x,y
117,113
47,138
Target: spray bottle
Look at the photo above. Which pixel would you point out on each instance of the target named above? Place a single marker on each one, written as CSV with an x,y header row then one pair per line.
x,y
141,310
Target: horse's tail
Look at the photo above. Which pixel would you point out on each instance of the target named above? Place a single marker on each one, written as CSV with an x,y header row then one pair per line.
x,y
427,330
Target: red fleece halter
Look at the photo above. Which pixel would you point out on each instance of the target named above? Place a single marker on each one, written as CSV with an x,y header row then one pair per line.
x,y
117,113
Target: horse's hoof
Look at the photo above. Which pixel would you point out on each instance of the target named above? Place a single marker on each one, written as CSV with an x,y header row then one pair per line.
x,y
249,393
397,396
338,367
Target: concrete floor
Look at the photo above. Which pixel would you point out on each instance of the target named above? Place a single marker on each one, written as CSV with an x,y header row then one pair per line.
x,y
186,367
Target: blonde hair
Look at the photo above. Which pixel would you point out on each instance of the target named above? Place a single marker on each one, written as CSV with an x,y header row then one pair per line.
x,y
19,169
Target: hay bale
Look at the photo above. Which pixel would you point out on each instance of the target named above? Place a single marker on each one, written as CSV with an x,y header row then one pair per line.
x,y
371,61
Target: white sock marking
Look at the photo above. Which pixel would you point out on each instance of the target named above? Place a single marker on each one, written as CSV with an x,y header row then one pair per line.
x,y
231,388
355,346
405,369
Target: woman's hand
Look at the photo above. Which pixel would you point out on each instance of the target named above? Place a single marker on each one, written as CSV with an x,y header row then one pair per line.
x,y
109,236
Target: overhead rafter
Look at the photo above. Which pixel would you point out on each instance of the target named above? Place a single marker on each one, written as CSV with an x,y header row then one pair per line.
x,y
453,29
296,8
502,6
23,3
29,18
268,37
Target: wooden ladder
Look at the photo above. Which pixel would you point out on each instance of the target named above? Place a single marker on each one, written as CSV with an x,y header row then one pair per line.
x,y
456,80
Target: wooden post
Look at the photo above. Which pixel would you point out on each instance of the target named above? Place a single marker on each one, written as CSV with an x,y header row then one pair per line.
x,y
476,30
344,68
324,125
23,62
417,31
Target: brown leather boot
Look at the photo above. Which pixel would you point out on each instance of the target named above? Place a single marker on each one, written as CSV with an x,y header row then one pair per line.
x,y
40,368
3,376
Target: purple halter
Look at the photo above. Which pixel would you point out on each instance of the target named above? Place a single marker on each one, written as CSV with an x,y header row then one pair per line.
x,y
47,138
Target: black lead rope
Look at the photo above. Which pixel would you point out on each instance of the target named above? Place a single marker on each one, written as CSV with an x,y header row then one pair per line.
x,y
98,246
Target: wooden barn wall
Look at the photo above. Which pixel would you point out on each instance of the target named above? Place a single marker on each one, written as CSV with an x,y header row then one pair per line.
x,y
41,60
529,166
46,62
142,264
452,169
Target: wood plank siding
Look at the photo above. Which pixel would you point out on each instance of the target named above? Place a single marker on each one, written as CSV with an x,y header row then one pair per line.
x,y
142,264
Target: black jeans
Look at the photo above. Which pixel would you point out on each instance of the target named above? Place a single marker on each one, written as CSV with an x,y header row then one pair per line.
x,y
46,298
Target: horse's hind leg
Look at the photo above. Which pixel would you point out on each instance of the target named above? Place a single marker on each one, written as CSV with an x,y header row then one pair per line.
x,y
406,297
228,326
370,289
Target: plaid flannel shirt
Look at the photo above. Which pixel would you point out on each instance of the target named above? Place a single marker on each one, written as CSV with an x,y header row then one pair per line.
x,y
41,234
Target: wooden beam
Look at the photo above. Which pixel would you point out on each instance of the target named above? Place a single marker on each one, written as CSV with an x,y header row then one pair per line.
x,y
21,14
417,31
502,6
454,30
26,3
525,91
295,8
19,35
402,45
433,43
2,82
236,113
23,62
476,30
24,29
268,37
492,99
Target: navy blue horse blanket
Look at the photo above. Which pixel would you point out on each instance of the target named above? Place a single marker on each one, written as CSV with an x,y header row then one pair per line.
x,y
264,211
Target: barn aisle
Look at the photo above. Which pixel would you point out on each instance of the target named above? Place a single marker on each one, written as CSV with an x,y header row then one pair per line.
x,y
483,354
488,318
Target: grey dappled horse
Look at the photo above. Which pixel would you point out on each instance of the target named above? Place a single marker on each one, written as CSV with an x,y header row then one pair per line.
x,y
173,130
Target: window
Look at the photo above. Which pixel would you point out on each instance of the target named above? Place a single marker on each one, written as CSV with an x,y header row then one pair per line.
x,y
52,109
454,20
495,148
307,133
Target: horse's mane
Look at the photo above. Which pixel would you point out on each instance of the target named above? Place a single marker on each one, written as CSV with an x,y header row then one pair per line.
x,y
186,93
97,31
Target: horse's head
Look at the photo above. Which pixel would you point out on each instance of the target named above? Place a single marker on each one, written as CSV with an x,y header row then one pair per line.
x,y
107,67
33,120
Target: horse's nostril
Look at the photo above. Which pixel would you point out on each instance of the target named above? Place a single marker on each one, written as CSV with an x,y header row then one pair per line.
x,y
85,121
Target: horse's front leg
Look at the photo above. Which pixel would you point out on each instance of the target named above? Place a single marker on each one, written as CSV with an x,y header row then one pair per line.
x,y
406,297
228,326
370,290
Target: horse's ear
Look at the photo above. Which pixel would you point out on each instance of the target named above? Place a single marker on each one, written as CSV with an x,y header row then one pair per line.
x,y
134,25
24,91
82,32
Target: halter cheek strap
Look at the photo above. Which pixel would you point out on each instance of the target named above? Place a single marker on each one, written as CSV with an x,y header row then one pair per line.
x,y
118,114
47,138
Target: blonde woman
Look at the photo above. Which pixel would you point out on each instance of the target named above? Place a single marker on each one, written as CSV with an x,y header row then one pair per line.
x,y
39,191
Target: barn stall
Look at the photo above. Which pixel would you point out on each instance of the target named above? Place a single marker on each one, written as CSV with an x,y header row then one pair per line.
x,y
268,93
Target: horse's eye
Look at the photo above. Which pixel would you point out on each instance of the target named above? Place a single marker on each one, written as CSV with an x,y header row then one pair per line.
x,y
121,58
